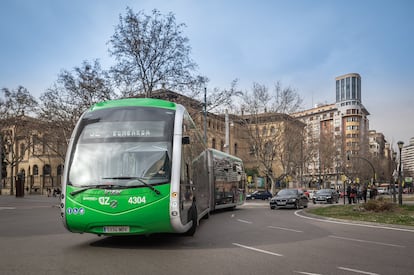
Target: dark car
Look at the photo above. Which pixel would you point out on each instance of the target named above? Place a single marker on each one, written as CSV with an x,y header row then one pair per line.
x,y
326,196
259,195
289,198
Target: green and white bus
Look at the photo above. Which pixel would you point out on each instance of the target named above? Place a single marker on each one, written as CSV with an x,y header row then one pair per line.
x,y
140,166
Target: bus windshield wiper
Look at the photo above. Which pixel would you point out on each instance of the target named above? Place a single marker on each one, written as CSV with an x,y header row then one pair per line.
x,y
138,179
97,186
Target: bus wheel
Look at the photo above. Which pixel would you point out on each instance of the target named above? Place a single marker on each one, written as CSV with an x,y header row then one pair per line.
x,y
193,214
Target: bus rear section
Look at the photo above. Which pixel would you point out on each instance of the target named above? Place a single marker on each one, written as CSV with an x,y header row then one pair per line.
x,y
228,180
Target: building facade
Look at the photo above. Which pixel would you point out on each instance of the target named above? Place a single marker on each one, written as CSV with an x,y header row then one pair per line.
x,y
337,132
407,159
30,157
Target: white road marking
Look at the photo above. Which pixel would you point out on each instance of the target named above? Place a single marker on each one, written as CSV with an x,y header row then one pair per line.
x,y
357,271
258,250
355,224
306,273
244,221
287,229
364,241
6,208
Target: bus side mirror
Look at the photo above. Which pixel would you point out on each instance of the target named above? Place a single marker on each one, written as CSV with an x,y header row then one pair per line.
x,y
185,140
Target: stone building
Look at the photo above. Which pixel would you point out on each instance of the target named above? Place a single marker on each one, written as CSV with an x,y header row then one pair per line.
x,y
30,155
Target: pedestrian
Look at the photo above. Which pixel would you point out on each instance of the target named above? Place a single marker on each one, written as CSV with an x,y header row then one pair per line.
x,y
374,192
364,192
348,193
354,193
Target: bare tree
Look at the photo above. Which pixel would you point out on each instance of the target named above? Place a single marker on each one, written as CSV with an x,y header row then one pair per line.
x,y
152,51
327,155
277,150
72,94
17,102
16,128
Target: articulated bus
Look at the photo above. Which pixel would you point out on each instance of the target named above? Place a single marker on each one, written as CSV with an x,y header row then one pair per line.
x,y
140,166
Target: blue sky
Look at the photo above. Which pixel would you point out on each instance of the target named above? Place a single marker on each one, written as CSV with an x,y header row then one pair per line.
x,y
303,44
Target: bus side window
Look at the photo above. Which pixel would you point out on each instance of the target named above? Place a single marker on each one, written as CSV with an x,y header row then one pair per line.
x,y
185,140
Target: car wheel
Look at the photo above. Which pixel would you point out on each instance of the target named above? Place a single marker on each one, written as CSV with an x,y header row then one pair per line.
x,y
305,206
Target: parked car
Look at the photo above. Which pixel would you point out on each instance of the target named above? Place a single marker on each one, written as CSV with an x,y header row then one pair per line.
x,y
259,195
289,198
383,191
326,196
311,194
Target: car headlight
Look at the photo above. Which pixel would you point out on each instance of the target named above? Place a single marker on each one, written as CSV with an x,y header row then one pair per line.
x,y
292,200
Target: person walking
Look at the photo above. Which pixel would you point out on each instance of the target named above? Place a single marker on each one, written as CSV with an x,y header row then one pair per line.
x,y
348,193
354,193
364,193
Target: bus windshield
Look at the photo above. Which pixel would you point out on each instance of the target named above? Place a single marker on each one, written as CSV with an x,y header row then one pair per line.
x,y
122,153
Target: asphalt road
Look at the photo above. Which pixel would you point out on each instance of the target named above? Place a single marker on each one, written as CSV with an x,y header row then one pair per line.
x,y
249,240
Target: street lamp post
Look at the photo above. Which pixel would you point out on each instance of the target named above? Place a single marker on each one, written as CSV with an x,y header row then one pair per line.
x,y
394,176
400,146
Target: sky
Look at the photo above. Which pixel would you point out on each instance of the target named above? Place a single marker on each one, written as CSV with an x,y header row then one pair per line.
x,y
303,44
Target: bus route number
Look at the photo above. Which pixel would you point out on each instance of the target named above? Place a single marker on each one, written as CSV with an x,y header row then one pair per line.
x,y
136,200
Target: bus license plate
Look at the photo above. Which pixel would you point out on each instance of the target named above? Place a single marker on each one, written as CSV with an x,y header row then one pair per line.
x,y
116,229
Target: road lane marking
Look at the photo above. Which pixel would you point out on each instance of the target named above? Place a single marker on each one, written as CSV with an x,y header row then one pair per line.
x,y
364,241
258,250
286,229
306,273
357,271
244,221
7,208
354,224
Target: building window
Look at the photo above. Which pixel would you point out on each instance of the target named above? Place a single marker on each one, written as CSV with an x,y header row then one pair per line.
x,y
348,89
59,170
213,143
46,169
353,87
337,91
22,150
35,170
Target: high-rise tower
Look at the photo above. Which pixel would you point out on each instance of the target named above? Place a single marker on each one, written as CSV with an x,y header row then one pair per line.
x,y
353,125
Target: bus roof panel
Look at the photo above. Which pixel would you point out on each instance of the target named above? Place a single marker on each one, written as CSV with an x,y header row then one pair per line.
x,y
125,102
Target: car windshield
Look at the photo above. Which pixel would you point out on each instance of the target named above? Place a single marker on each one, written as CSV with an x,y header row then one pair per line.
x,y
285,192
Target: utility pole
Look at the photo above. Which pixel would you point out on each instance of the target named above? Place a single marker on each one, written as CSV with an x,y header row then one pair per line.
x,y
226,122
1,162
205,114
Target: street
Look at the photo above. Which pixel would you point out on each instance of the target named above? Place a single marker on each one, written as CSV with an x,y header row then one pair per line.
x,y
251,239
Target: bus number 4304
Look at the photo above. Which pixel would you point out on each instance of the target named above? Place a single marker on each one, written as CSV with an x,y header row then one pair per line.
x,y
136,200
